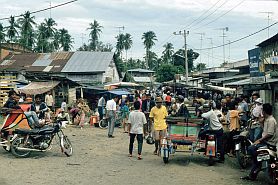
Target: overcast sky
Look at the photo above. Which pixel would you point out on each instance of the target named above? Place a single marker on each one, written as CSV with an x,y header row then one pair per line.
x,y
163,17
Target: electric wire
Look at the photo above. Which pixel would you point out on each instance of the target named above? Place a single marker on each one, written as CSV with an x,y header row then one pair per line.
x,y
210,14
42,10
222,15
240,39
204,13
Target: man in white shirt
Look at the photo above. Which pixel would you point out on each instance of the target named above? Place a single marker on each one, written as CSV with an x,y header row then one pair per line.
x,y
136,121
111,114
216,128
49,100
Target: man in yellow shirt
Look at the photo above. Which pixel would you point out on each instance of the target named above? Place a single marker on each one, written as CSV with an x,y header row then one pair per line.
x,y
157,117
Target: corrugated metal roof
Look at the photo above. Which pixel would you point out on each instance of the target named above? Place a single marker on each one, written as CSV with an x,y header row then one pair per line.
x,y
141,70
86,61
43,60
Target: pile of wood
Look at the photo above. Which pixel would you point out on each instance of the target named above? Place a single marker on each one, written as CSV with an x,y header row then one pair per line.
x,y
6,84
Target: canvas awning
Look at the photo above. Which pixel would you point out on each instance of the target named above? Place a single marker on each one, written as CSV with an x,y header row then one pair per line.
x,y
218,88
38,87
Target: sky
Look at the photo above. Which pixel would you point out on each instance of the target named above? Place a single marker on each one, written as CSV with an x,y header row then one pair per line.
x,y
164,17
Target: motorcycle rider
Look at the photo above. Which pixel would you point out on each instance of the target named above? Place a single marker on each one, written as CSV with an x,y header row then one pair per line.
x,y
269,138
256,128
11,103
215,127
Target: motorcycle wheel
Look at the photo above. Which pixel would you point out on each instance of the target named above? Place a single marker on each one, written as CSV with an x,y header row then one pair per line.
x,y
66,146
272,176
103,124
241,159
20,142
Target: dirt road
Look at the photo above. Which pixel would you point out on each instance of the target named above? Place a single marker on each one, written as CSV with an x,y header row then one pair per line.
x,y
103,161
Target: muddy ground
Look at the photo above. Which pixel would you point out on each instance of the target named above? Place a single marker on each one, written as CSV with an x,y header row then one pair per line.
x,y
104,161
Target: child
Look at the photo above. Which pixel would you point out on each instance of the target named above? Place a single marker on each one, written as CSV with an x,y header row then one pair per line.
x,y
136,121
125,114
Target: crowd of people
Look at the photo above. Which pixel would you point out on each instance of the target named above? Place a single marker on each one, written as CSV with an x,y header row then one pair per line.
x,y
143,116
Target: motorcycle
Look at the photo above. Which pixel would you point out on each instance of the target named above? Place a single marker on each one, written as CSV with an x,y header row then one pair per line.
x,y
268,157
39,140
12,119
211,148
242,142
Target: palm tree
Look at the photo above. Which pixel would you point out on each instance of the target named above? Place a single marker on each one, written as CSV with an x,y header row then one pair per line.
x,y
26,29
120,46
148,41
94,34
12,30
2,37
127,43
56,40
168,53
41,39
49,25
65,39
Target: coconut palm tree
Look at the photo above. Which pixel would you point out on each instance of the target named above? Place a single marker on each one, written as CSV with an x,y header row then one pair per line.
x,y
168,53
148,41
127,43
26,24
50,27
41,45
94,34
12,30
120,44
65,39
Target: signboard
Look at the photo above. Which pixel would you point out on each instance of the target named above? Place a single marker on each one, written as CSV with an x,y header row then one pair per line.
x,y
257,70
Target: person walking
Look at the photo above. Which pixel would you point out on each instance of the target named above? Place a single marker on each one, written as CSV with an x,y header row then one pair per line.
x,y
101,106
157,117
111,114
136,121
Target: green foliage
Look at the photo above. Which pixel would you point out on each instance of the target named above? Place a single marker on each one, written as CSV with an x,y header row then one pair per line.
x,y
134,64
95,30
148,41
167,53
200,67
178,58
119,63
2,34
12,32
166,72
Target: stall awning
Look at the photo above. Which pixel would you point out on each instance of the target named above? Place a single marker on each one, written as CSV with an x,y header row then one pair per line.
x,y
119,93
38,87
221,88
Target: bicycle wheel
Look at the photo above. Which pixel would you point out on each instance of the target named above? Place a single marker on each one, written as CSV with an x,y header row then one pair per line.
x,y
103,123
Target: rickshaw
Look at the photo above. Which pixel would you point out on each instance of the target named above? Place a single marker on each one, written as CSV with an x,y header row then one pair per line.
x,y
13,118
183,135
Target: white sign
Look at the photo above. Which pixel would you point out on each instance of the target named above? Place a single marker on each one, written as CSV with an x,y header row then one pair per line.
x,y
257,80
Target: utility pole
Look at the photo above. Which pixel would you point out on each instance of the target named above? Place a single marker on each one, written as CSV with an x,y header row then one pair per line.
x,y
184,34
229,57
223,36
201,34
211,43
268,20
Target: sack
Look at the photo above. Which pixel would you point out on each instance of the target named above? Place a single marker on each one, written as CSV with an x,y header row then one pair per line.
x,y
150,140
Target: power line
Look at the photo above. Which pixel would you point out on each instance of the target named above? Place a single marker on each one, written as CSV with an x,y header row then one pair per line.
x,y
42,10
222,15
210,13
203,14
242,38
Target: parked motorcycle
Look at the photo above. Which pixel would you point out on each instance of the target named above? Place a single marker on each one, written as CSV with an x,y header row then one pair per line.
x,y
242,142
268,157
39,140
